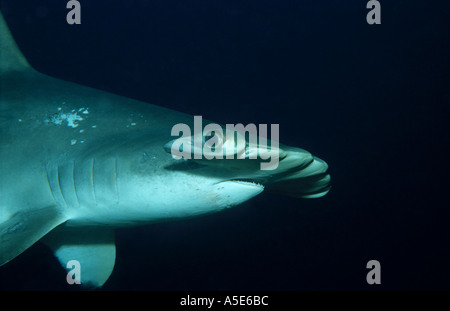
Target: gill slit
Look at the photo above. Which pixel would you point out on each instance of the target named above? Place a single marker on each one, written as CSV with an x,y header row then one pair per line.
x,y
73,181
48,183
92,181
115,179
59,186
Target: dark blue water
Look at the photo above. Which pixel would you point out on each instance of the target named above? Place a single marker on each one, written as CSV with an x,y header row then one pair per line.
x,y
371,100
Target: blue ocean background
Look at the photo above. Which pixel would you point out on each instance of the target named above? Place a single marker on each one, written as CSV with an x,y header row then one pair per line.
x,y
373,101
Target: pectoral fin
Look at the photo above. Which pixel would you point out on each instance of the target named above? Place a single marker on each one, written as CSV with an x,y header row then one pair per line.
x,y
93,248
21,230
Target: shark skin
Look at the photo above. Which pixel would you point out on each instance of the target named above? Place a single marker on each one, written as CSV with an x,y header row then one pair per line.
x,y
76,162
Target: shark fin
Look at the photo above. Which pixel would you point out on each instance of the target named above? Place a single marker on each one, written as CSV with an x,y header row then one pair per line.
x,y
92,247
21,230
11,58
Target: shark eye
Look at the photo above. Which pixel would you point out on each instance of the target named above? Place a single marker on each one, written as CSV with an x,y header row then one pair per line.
x,y
209,137
213,140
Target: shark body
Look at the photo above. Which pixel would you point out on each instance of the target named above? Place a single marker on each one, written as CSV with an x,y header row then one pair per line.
x,y
76,162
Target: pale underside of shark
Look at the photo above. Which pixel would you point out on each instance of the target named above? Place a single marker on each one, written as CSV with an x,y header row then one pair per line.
x,y
76,162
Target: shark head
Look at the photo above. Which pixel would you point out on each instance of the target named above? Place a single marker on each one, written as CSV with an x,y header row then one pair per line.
x,y
278,168
143,181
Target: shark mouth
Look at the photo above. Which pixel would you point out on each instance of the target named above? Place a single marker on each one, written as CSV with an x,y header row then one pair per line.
x,y
244,181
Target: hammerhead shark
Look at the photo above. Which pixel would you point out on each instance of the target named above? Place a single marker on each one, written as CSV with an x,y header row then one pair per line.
x,y
76,163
